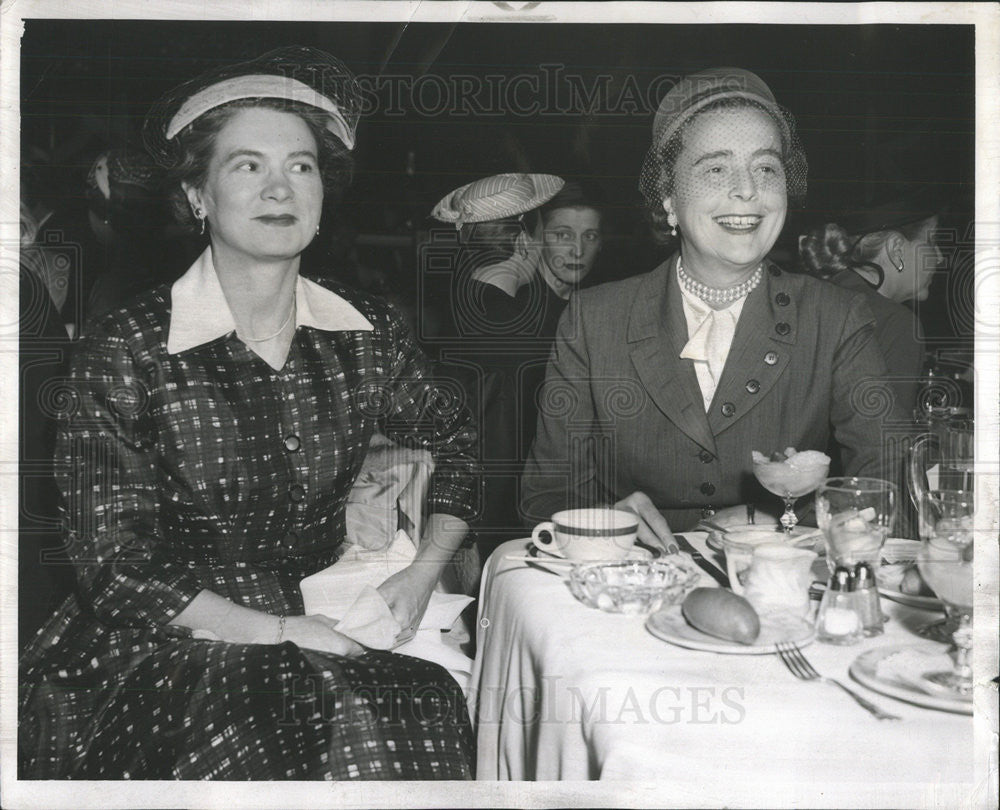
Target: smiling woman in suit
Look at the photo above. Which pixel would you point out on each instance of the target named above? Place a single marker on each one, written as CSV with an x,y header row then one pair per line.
x,y
660,386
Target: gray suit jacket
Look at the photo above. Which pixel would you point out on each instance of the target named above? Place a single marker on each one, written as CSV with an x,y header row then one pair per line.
x,y
621,412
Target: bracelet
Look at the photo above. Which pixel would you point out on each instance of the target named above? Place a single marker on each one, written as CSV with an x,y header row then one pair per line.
x,y
281,629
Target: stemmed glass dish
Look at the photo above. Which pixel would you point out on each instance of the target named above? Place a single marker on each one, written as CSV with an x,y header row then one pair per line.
x,y
945,562
790,475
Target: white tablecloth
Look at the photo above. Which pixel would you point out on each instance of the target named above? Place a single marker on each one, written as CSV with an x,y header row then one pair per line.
x,y
565,692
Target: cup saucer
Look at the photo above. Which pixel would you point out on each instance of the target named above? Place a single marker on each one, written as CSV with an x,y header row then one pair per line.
x,y
557,564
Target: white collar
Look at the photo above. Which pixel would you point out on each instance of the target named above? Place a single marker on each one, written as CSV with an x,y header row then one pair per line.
x,y
200,313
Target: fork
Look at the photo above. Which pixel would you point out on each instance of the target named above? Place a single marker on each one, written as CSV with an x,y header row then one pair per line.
x,y
792,657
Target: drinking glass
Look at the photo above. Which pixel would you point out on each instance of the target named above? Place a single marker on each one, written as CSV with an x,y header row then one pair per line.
x,y
856,516
945,563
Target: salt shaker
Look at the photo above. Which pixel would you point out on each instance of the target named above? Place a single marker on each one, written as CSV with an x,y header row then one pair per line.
x,y
838,620
868,601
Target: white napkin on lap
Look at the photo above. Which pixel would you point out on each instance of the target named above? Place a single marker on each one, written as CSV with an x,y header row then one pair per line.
x,y
337,591
369,621
334,590
348,591
430,645
443,610
393,479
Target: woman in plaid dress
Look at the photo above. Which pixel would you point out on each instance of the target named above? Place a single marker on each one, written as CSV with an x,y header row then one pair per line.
x,y
211,433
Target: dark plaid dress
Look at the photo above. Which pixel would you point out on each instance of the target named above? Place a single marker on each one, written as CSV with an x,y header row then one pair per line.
x,y
208,469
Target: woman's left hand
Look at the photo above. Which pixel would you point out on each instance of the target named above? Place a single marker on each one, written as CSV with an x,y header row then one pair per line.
x,y
407,593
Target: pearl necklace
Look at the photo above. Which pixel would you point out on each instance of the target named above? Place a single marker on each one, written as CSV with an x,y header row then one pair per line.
x,y
719,295
291,312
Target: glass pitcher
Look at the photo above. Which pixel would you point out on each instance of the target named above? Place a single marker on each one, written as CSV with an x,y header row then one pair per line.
x,y
942,458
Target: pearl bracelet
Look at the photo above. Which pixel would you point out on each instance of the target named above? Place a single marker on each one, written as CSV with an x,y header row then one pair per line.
x,y
281,629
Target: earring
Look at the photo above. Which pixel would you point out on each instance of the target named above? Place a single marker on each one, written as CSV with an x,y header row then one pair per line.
x,y
672,222
900,268
200,216
317,230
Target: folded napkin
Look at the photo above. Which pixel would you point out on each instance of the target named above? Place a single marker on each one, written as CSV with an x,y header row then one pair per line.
x,y
910,666
433,645
333,590
369,621
440,636
347,591
443,610
392,484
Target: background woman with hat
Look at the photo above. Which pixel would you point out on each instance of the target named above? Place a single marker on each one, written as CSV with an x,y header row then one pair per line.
x,y
888,252
679,374
526,241
131,249
498,309
497,255
215,429
571,238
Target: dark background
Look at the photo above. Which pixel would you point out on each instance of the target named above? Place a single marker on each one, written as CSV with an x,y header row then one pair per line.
x,y
874,104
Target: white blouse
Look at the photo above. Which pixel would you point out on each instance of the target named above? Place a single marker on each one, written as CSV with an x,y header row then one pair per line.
x,y
710,336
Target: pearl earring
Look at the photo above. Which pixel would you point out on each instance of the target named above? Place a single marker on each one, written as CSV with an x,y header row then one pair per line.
x,y
200,216
672,222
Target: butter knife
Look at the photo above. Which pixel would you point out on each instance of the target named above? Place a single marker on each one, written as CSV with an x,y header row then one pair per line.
x,y
701,562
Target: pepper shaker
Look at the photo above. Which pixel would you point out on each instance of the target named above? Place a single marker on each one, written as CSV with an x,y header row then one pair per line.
x,y
868,599
838,620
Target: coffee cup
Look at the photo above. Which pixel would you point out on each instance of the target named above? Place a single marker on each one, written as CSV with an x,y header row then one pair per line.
x,y
587,535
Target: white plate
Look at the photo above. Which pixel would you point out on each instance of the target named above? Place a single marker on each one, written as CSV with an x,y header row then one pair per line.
x,y
797,531
895,548
865,671
558,565
670,625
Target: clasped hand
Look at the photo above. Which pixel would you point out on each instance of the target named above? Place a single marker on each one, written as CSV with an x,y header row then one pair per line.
x,y
407,593
318,632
